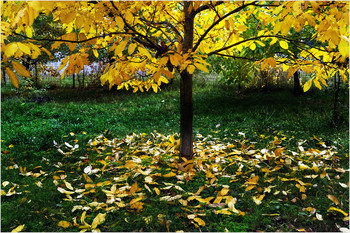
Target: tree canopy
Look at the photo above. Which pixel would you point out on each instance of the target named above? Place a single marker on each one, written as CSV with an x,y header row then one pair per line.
x,y
161,38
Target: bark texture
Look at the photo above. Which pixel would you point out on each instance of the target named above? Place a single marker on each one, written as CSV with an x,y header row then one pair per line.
x,y
186,102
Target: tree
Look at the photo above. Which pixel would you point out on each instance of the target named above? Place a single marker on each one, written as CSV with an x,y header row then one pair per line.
x,y
160,38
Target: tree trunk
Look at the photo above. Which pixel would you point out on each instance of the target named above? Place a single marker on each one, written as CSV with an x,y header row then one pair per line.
x,y
73,80
186,102
4,76
297,88
336,95
186,113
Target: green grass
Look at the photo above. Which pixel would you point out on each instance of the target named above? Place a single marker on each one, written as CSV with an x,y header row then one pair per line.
x,y
29,129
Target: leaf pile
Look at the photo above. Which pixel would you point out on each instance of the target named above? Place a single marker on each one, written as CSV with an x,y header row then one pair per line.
x,y
226,177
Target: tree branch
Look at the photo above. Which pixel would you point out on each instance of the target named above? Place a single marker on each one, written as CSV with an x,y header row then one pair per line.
x,y
217,22
237,57
73,41
205,7
253,38
165,23
145,40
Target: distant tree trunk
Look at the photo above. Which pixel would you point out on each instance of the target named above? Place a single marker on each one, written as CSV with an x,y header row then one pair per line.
x,y
4,76
297,88
73,80
336,96
186,102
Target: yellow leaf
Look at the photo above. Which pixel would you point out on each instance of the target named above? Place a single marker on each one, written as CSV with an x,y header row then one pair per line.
x,y
307,85
190,69
68,185
336,209
227,25
231,206
168,73
284,44
271,61
250,187
170,174
131,48
95,53
197,4
343,47
253,180
119,22
145,52
47,52
64,224
11,49
87,178
120,48
199,221
156,190
12,77
307,69
297,8
317,84
21,69
24,48
173,60
301,230
133,189
100,218
224,191
163,61
155,87
223,212
252,46
273,41
333,198
202,67
61,190
265,169
82,219
19,228
71,37
129,17
258,199
135,200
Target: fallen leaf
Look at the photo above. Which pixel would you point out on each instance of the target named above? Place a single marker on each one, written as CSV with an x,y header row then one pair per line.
x,y
133,189
319,217
64,224
337,210
333,198
199,221
19,228
100,218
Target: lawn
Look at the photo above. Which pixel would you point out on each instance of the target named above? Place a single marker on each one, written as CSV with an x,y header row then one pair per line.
x,y
94,159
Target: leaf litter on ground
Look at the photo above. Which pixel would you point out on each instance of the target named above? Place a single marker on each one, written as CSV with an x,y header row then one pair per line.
x,y
126,173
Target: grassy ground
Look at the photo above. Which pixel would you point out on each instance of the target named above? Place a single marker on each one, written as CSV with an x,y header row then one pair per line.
x,y
30,124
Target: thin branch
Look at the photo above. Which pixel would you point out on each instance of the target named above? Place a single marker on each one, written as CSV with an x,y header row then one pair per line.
x,y
164,23
253,38
205,7
237,57
146,41
217,22
73,41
